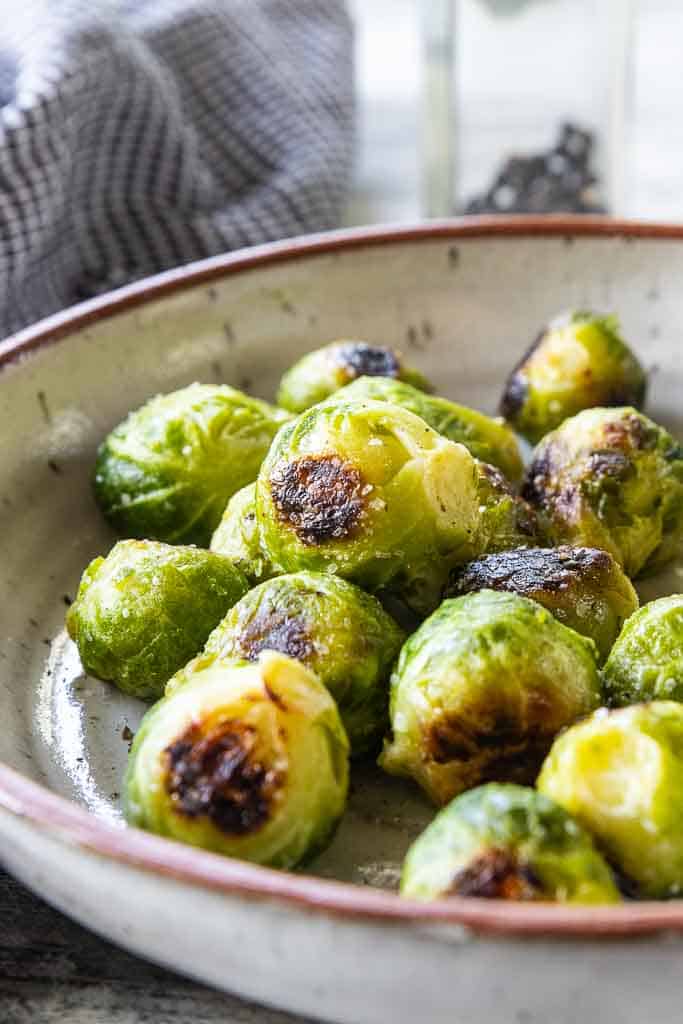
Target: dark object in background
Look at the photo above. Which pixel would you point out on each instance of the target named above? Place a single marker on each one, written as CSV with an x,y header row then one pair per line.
x,y
559,181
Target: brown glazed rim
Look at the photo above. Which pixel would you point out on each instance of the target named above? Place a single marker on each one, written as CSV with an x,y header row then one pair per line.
x,y
72,824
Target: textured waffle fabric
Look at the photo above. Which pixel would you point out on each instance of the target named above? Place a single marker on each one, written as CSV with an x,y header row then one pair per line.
x,y
139,135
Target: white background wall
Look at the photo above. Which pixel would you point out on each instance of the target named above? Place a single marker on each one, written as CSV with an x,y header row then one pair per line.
x,y
516,77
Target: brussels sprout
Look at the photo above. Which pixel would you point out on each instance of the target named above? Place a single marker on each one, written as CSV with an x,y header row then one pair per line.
x,y
506,842
584,588
646,662
487,439
146,608
319,374
168,470
368,491
335,629
505,520
237,537
620,773
480,691
246,760
611,479
577,362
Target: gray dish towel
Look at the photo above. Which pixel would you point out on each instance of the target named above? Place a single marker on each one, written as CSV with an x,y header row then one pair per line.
x,y
136,135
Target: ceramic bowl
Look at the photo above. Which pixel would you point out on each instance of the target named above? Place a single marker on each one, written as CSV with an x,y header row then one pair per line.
x,y
463,301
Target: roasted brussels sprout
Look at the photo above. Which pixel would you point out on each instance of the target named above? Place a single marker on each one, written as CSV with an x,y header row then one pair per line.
x,y
620,773
577,362
168,470
611,479
584,588
147,608
368,491
245,760
480,691
506,842
505,520
320,373
646,662
487,439
338,631
237,537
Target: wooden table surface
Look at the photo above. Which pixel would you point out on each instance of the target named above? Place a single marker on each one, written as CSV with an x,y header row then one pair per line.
x,y
52,971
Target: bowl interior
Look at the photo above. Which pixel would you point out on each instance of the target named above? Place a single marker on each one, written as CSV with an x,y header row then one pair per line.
x,y
462,309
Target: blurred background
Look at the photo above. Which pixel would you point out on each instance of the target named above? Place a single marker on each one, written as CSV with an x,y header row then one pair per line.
x,y
517,106
137,135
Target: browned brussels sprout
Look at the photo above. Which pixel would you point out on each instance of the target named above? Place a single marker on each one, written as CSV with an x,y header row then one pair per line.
x,y
368,491
480,691
338,631
583,587
247,760
506,842
578,361
611,479
320,373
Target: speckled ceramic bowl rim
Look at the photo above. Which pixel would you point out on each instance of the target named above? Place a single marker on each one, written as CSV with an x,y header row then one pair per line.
x,y
33,802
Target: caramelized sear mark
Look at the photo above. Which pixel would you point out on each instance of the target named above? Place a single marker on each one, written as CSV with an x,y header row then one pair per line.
x,y
520,765
547,490
219,776
502,749
274,630
453,740
496,874
538,482
361,360
450,741
319,496
532,572
514,396
517,386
